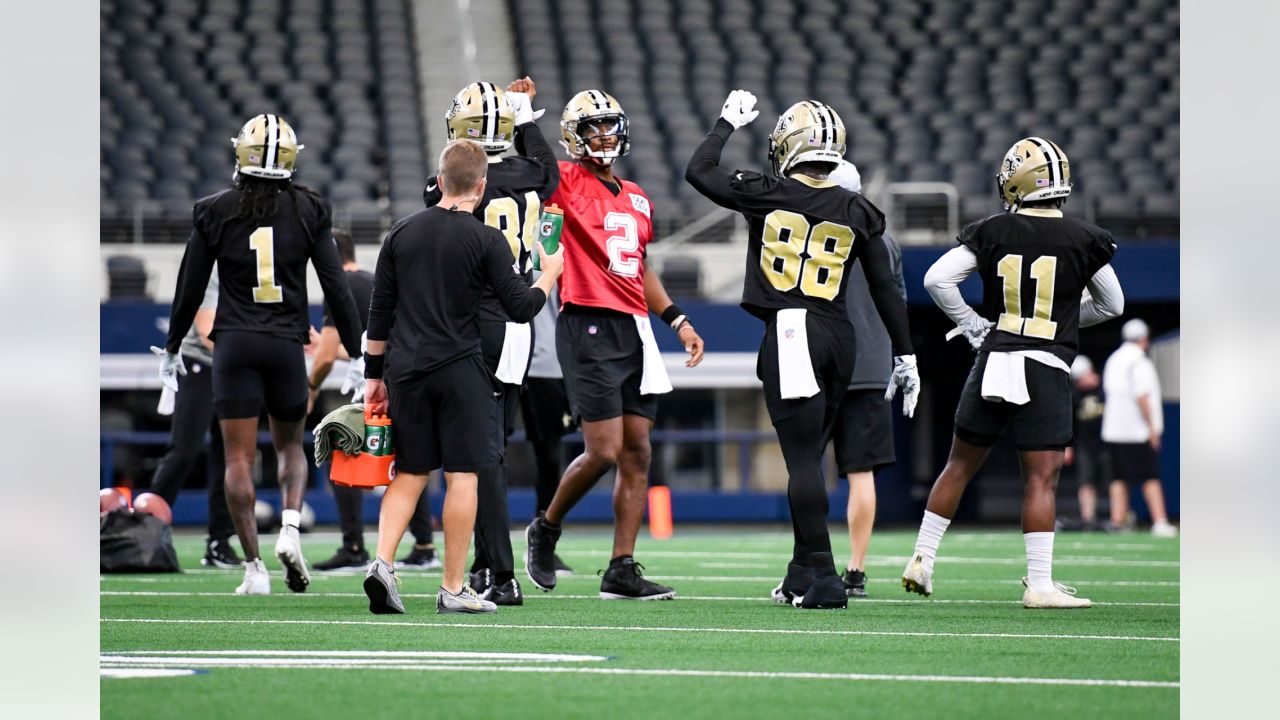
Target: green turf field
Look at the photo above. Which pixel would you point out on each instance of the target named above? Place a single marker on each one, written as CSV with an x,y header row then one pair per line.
x,y
721,649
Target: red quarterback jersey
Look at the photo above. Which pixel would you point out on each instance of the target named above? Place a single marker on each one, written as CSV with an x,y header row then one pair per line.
x,y
604,239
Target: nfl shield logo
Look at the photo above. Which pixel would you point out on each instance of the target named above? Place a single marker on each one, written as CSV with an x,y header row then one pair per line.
x,y
789,333
592,329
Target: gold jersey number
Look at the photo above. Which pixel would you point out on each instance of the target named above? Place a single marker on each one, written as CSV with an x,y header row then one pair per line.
x,y
504,214
262,242
1043,272
797,254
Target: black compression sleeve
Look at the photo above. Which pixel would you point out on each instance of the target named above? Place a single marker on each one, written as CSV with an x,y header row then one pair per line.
x,y
337,291
193,280
704,172
382,304
531,144
885,294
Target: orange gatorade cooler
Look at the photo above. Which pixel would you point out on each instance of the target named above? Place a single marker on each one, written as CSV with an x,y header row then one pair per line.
x,y
376,465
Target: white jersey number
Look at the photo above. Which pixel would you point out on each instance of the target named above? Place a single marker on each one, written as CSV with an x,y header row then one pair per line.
x,y
623,259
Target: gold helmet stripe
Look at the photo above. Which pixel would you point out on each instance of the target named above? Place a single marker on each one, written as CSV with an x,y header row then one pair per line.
x,y
1055,161
273,139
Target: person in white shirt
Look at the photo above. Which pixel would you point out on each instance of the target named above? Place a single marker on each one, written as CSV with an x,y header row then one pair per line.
x,y
1132,424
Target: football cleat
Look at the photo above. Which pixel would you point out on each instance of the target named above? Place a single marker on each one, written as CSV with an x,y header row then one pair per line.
x,y
826,593
219,553
345,557
266,147
289,553
1060,597
808,131
422,559
918,577
625,581
540,552
382,585
855,583
466,601
794,585
562,569
508,593
481,581
481,112
257,581
1033,169
589,115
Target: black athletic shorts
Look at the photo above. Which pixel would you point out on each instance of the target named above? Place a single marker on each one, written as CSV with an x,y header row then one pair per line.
x,y
831,349
252,367
864,432
1134,462
448,417
1044,423
544,404
492,337
1092,464
603,360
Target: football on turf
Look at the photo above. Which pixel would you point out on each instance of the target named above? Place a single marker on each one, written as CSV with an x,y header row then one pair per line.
x,y
153,504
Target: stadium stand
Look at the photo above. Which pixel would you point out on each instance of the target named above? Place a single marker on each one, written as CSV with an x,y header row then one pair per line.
x,y
178,74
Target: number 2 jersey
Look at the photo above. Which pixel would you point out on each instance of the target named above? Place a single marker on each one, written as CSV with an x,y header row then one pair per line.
x,y
262,266
1035,264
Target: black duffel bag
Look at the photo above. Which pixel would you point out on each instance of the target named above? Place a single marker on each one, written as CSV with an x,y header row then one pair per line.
x,y
132,542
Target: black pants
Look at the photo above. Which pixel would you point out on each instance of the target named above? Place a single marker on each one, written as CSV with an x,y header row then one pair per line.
x,y
350,501
493,520
544,404
192,418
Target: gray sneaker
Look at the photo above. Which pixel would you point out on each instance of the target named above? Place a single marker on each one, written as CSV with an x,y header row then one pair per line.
x,y
382,587
465,601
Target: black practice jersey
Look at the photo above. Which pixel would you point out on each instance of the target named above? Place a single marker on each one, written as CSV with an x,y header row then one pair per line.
x,y
262,268
513,196
431,271
361,284
1034,268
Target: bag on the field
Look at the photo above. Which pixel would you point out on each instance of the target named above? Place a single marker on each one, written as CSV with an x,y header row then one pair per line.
x,y
132,542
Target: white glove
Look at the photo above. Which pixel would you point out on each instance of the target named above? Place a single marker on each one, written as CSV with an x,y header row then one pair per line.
x,y
354,380
739,108
974,329
171,366
905,376
846,175
523,108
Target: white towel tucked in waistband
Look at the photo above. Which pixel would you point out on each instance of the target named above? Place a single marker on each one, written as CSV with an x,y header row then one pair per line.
x,y
795,367
1005,379
654,381
514,360
168,399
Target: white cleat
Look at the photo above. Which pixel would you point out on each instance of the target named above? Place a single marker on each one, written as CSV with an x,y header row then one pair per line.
x,y
1060,597
917,577
289,553
1164,529
256,579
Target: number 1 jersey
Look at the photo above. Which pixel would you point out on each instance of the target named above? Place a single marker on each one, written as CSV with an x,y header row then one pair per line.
x,y
604,237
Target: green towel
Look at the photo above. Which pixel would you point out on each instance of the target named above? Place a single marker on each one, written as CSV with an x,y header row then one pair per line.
x,y
342,429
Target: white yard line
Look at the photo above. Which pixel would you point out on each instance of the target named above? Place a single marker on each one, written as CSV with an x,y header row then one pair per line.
x,y
620,628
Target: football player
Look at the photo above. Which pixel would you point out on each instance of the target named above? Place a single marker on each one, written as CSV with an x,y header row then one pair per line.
x,y
517,186
805,234
1035,265
261,232
612,368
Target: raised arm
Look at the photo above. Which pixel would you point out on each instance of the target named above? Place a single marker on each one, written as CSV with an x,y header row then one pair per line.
x,y
704,172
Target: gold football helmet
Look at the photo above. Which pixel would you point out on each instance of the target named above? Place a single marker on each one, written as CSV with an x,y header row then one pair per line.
x,y
480,112
1033,169
809,131
266,147
602,110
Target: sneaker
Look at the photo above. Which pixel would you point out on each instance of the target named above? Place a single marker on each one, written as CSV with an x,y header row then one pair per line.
x,y
481,581
219,553
289,553
508,593
625,581
422,559
1164,529
917,577
382,585
1061,597
345,557
257,581
826,593
855,583
794,585
540,553
561,568
465,601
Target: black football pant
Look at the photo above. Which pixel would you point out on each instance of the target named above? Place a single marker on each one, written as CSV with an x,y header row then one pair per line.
x,y
544,405
493,521
350,501
193,416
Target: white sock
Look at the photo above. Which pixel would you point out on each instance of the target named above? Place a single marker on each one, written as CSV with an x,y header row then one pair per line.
x,y
931,530
1039,560
290,518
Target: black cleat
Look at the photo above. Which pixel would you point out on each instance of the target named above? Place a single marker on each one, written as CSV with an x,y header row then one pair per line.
x,y
219,553
345,557
794,585
421,558
625,581
827,591
855,583
508,593
540,553
481,580
561,567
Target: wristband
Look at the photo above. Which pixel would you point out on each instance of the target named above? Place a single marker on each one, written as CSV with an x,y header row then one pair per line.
x,y
373,366
673,316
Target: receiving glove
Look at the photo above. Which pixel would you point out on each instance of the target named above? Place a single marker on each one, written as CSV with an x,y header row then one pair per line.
x,y
171,366
974,329
353,381
739,108
905,376
523,108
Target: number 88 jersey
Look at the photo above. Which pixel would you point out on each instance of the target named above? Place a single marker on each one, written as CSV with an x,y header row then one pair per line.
x,y
605,237
804,236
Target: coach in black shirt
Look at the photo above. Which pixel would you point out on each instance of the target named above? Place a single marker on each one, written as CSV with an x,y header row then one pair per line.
x,y
432,271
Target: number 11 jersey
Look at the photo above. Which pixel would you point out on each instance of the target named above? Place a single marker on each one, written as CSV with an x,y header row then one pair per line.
x,y
605,237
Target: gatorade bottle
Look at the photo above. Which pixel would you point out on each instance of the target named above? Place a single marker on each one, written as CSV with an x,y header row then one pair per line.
x,y
377,436
549,228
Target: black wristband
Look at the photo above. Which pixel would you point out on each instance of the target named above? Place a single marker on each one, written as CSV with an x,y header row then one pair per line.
x,y
374,365
671,313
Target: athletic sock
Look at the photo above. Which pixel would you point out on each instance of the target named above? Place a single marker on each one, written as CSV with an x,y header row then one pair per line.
x,y
931,530
290,518
1039,560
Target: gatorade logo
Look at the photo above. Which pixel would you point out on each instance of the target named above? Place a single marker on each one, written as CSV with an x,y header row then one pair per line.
x,y
544,230
373,443
391,471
